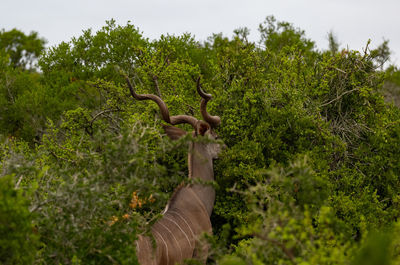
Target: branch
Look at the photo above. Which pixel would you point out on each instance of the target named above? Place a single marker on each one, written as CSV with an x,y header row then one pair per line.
x,y
62,158
337,69
101,113
339,97
166,62
18,182
158,91
366,48
34,208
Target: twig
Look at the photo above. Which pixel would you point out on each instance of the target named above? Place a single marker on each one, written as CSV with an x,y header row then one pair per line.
x,y
166,62
366,49
339,97
155,79
18,182
37,206
101,113
337,69
62,158
391,124
191,108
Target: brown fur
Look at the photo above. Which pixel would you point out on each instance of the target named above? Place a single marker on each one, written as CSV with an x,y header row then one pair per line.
x,y
178,233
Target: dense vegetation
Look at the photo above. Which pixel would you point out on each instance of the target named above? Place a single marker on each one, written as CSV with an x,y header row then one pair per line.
x,y
310,175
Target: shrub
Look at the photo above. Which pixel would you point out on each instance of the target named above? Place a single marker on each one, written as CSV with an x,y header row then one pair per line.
x,y
19,239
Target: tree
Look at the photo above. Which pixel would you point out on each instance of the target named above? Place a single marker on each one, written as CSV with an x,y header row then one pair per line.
x,y
333,42
276,35
23,50
381,54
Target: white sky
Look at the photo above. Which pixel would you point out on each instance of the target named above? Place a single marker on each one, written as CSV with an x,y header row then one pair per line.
x,y
352,21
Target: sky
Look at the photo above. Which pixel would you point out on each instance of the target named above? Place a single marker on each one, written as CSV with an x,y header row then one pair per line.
x,y
353,22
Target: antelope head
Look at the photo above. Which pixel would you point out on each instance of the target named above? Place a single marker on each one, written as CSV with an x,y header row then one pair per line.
x,y
203,127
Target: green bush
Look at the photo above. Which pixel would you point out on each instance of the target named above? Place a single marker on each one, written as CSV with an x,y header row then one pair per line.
x,y
19,239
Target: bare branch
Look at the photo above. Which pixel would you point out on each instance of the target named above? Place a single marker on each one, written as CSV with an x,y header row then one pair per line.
x,y
158,91
18,182
339,97
101,113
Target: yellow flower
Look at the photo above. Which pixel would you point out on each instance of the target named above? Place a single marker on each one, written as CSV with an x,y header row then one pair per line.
x,y
151,199
114,219
134,200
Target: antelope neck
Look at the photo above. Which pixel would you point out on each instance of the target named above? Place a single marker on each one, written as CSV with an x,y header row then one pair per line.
x,y
200,165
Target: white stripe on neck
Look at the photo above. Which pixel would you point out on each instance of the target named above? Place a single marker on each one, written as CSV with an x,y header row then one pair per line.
x,y
172,211
176,241
187,238
166,246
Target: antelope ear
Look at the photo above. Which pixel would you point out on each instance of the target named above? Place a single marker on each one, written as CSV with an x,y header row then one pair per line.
x,y
174,133
202,128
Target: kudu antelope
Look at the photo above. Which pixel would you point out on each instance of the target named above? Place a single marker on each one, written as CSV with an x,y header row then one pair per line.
x,y
187,214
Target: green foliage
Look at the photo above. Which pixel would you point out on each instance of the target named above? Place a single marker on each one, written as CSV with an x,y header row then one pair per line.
x,y
21,110
23,50
310,175
21,95
18,238
381,54
276,35
289,221
391,86
93,55
333,42
376,250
